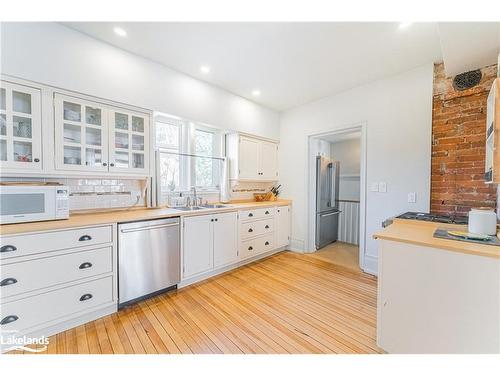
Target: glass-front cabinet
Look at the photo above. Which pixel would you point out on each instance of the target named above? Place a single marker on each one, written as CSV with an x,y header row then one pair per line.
x,y
129,142
20,127
81,134
97,137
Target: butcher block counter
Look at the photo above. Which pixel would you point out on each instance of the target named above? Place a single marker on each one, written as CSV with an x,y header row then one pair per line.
x,y
128,215
421,233
436,295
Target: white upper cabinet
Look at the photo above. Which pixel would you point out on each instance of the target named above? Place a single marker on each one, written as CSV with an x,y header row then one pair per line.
x,y
94,137
129,142
252,158
20,128
81,135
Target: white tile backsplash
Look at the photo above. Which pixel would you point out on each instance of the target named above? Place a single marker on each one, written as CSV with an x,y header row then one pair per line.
x,y
96,193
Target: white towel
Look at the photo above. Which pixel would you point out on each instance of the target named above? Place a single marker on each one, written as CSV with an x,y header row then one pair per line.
x,y
225,194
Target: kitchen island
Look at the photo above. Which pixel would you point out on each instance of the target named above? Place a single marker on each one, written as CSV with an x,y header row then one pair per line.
x,y
436,295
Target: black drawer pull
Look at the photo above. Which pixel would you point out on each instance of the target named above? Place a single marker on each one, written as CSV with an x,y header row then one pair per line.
x,y
85,237
250,248
86,297
267,227
250,230
7,248
9,319
85,265
267,243
267,212
250,215
8,281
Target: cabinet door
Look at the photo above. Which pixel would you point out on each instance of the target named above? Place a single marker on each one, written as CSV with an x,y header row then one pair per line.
x,y
129,142
268,160
198,245
282,226
20,127
249,159
225,238
81,135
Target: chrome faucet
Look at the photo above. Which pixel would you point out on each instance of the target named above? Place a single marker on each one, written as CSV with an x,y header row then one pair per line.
x,y
195,198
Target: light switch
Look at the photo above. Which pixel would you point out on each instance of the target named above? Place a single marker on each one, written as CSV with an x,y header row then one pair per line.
x,y
382,187
412,197
374,186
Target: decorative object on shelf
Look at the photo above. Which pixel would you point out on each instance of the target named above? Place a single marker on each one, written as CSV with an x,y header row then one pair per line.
x,y
482,221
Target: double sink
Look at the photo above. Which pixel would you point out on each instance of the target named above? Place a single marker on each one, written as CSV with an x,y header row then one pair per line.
x,y
202,207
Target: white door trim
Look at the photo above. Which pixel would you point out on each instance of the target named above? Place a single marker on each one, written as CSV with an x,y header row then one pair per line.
x,y
310,201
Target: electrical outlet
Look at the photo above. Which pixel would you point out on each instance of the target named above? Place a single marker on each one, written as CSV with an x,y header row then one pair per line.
x,y
412,197
382,187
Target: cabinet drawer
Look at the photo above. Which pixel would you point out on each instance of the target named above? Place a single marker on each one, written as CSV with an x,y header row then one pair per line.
x,y
30,312
28,244
256,228
256,246
259,213
36,274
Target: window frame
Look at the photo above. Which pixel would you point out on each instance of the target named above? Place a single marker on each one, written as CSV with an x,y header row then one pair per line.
x,y
187,145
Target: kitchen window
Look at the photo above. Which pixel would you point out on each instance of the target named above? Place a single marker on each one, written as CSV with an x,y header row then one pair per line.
x,y
189,155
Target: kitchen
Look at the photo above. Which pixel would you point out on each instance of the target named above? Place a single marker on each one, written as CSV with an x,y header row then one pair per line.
x,y
156,202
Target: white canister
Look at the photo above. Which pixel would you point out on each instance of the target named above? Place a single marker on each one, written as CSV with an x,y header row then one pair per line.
x,y
483,221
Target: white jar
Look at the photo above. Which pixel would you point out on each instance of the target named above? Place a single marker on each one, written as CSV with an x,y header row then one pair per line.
x,y
483,221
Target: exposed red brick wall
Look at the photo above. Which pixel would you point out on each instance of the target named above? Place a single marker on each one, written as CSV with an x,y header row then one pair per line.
x,y
458,145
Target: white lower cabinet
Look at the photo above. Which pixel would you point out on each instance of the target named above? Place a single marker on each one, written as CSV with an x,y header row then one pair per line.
x,y
225,230
50,279
282,226
198,245
27,313
209,241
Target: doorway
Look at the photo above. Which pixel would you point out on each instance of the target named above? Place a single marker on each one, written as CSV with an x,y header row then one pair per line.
x,y
346,149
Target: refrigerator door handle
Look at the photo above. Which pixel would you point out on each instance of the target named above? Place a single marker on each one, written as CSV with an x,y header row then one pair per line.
x,y
331,213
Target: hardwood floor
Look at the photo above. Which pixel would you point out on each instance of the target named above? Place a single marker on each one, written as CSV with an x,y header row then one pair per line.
x,y
288,303
341,253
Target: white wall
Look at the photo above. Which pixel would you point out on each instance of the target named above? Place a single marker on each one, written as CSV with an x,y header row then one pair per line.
x,y
397,111
55,55
348,153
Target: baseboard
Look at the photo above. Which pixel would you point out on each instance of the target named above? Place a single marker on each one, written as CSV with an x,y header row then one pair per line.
x,y
297,245
370,265
229,267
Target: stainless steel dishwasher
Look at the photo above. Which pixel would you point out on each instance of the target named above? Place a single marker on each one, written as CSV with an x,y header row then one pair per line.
x,y
148,258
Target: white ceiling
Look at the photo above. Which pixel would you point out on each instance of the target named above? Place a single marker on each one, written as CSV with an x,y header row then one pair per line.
x,y
290,63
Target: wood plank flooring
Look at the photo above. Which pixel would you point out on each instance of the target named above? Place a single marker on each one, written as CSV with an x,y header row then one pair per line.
x,y
287,303
341,253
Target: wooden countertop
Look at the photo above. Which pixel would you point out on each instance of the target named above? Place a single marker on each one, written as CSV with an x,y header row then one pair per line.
x,y
127,215
421,233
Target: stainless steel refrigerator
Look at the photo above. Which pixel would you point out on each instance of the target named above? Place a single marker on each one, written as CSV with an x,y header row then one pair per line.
x,y
327,201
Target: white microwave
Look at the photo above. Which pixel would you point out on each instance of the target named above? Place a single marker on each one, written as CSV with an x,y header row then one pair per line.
x,y
26,203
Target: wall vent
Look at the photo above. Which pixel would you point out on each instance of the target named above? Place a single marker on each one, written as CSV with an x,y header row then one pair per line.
x,y
467,80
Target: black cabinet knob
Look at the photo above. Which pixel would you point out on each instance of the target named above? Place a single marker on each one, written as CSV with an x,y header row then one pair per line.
x,y
250,248
85,265
267,227
250,215
7,248
8,319
250,230
8,281
86,297
267,243
104,164
36,160
267,212
85,237
216,219
211,219
112,164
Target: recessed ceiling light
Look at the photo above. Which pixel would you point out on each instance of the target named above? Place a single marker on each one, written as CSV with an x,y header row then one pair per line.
x,y
119,31
256,92
205,69
404,25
